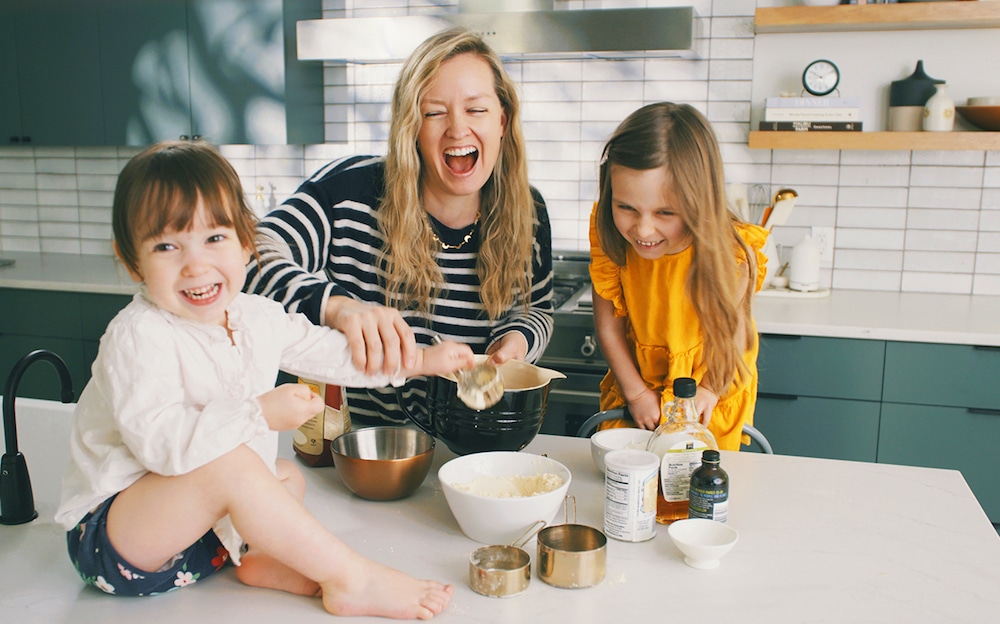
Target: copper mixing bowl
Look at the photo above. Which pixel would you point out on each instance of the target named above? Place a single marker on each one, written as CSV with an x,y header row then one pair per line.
x,y
383,463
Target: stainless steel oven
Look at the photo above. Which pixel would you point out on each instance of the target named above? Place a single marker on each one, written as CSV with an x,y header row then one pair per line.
x,y
573,349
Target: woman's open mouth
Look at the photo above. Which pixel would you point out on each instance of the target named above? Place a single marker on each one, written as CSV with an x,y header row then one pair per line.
x,y
461,159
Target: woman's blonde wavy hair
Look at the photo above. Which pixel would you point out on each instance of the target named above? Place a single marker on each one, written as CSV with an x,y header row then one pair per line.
x,y
507,216
680,139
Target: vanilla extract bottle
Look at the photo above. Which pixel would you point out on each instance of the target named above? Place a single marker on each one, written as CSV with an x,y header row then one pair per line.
x,y
709,493
679,443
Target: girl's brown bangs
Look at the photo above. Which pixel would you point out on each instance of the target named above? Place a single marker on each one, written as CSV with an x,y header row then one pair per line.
x,y
167,205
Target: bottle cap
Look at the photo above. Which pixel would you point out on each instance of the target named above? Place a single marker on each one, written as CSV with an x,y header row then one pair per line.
x,y
685,387
710,455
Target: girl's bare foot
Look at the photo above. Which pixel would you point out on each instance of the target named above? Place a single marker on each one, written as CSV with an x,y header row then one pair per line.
x,y
370,588
259,570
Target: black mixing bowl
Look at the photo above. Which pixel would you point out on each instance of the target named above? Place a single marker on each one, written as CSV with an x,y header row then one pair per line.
x,y
507,426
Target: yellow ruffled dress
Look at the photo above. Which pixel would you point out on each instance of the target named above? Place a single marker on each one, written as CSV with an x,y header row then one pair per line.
x,y
665,332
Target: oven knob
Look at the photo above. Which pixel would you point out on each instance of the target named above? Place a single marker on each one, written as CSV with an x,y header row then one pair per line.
x,y
588,347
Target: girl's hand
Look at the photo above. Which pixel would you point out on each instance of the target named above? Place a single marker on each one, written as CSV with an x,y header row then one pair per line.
x,y
445,357
705,401
645,410
289,405
380,339
511,346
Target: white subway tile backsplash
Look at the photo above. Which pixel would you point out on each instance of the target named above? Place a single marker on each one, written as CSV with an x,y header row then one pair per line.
x,y
989,242
988,263
873,196
874,176
946,176
867,280
930,240
868,259
939,261
986,285
885,218
945,283
937,197
928,219
860,238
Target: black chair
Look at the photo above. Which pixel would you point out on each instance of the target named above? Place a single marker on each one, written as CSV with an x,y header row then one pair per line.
x,y
590,425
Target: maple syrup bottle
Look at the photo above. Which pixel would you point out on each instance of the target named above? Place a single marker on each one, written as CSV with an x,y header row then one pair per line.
x,y
678,443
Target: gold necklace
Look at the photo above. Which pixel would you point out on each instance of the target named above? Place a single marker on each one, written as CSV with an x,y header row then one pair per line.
x,y
465,240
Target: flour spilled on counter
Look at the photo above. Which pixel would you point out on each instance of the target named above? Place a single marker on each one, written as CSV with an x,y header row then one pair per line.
x,y
512,486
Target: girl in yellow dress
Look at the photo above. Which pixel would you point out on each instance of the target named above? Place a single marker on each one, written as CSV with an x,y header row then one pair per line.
x,y
674,272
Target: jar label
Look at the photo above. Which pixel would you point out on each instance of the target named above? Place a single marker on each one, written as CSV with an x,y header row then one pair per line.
x,y
676,468
630,495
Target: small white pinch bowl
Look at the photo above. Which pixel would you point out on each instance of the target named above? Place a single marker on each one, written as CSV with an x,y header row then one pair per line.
x,y
603,442
703,542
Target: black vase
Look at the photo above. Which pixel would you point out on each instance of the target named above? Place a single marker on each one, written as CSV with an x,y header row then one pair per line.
x,y
914,90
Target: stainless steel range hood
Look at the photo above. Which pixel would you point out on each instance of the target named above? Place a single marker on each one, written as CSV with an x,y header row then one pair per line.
x,y
671,32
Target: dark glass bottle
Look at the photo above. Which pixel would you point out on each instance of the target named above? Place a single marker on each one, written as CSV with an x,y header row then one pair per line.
x,y
709,493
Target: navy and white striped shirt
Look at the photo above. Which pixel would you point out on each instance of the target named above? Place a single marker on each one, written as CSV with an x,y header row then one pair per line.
x,y
324,241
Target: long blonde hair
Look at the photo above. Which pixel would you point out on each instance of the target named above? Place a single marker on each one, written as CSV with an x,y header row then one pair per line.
x,y
507,215
680,139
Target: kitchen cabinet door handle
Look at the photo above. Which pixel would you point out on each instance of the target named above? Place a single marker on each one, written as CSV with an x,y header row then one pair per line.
x,y
782,337
985,348
983,410
774,395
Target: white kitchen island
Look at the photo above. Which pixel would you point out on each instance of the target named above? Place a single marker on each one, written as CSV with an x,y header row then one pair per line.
x,y
820,541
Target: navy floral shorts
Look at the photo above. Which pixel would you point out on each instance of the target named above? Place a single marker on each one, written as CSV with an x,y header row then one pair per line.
x,y
98,563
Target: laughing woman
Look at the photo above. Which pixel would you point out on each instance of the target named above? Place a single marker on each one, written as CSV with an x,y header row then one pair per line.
x,y
443,235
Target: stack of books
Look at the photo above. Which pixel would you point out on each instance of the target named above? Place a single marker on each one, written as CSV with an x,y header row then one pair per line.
x,y
804,114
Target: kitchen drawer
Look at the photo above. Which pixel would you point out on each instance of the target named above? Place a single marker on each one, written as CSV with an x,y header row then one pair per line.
x,y
818,427
41,381
946,437
39,313
840,368
941,374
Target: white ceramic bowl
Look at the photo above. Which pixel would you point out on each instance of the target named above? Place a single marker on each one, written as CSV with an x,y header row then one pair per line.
x,y
990,100
492,519
703,541
603,442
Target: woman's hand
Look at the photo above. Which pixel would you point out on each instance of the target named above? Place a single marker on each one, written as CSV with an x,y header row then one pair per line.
x,y
380,339
511,346
645,409
289,405
705,401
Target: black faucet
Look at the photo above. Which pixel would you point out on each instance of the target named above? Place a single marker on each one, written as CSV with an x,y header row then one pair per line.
x,y
17,502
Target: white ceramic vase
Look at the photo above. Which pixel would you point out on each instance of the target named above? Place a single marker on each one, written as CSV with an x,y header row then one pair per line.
x,y
939,111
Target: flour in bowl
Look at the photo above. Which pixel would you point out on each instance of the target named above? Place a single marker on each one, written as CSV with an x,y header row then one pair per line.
x,y
512,486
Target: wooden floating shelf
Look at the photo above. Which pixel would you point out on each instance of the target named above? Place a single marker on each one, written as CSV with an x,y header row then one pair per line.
x,y
855,17
875,140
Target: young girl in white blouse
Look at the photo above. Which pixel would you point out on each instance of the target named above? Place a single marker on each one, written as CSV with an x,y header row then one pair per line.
x,y
174,440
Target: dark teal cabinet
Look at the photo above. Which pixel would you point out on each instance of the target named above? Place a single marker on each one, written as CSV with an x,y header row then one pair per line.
x,y
941,408
121,72
54,53
71,324
820,397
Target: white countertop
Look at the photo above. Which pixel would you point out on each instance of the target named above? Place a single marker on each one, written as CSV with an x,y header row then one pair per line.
x,y
820,541
68,272
878,315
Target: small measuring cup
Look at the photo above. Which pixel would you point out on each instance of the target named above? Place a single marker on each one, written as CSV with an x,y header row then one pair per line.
x,y
502,571
572,556
479,387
